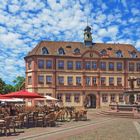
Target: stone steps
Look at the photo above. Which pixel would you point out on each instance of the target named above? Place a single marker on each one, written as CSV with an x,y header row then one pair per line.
x,y
115,114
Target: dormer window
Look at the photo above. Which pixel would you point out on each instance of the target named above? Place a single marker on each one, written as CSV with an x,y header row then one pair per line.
x,y
133,54
119,53
61,51
77,51
103,52
45,51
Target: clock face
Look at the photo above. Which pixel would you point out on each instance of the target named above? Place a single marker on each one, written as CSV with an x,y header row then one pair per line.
x,y
87,36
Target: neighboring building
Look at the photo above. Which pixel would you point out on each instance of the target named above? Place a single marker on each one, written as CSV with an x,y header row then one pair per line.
x,y
77,72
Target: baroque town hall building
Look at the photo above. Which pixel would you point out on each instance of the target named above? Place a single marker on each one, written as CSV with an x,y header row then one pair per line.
x,y
79,72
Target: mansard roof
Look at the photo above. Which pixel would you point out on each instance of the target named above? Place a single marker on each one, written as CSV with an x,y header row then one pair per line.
x,y
69,48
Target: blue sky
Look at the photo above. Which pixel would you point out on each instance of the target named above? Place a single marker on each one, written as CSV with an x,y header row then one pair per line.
x,y
23,23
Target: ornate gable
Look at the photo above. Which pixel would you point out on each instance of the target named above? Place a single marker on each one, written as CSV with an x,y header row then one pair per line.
x,y
91,54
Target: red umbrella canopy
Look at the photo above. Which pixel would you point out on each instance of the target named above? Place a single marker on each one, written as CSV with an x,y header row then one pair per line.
x,y
23,94
3,97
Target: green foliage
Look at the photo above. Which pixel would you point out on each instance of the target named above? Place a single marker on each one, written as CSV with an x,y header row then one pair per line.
x,y
2,84
18,82
7,88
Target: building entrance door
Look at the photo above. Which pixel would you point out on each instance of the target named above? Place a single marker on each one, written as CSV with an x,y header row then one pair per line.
x,y
91,101
131,99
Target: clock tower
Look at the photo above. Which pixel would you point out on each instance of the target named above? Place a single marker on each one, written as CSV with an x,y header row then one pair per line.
x,y
87,36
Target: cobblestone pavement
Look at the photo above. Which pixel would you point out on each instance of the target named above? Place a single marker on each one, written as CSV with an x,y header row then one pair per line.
x,y
120,129
97,127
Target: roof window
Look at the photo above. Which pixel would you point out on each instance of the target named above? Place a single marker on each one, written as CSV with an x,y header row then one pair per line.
x,y
103,52
119,53
133,54
45,51
77,51
61,51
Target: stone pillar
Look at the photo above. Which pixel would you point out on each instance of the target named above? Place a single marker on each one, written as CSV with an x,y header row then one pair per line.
x,y
34,78
63,98
125,99
54,77
26,79
125,74
135,98
98,100
34,75
83,80
83,96
135,110
117,107
54,84
98,77
117,98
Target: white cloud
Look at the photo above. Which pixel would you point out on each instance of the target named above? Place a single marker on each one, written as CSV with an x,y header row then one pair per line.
x,y
101,18
83,1
124,3
102,32
135,11
13,8
3,30
54,5
137,45
11,40
103,6
111,32
32,5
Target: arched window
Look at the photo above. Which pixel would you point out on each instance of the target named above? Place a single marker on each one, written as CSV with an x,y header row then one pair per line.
x,y
103,52
61,51
119,53
77,51
133,54
45,51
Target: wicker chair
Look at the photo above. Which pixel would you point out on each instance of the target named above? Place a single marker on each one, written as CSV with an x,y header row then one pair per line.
x,y
20,120
38,118
29,118
49,120
9,123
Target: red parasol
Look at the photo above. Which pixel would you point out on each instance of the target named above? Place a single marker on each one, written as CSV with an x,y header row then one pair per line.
x,y
3,97
23,94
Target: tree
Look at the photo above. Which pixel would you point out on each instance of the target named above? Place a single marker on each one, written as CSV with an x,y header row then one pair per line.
x,y
18,82
2,84
8,88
